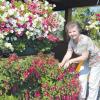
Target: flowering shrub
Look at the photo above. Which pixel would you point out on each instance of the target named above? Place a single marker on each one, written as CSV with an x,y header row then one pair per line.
x,y
38,77
93,26
21,22
46,45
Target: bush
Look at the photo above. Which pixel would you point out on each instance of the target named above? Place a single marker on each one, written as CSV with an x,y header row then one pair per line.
x,y
37,77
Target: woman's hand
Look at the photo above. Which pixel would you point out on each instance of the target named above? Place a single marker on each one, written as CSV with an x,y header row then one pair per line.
x,y
67,64
60,65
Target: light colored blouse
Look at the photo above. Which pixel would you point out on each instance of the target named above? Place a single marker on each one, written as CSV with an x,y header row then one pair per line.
x,y
85,43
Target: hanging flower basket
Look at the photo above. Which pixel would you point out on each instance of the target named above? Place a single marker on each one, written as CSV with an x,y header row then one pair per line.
x,y
22,23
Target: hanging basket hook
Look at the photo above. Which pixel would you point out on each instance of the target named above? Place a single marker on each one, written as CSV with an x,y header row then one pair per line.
x,y
97,2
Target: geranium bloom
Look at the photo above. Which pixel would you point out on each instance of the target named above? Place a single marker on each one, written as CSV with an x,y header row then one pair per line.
x,y
52,38
37,94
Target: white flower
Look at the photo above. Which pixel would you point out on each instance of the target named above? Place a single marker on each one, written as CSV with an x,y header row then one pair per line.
x,y
45,15
22,7
14,38
54,5
46,8
11,31
1,36
17,15
7,38
29,34
3,17
11,11
9,46
46,3
2,7
31,28
54,29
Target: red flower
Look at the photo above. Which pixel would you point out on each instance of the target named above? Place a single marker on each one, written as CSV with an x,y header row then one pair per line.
x,y
27,95
51,61
31,70
71,69
46,94
98,15
2,24
13,57
26,74
32,6
38,62
37,94
52,38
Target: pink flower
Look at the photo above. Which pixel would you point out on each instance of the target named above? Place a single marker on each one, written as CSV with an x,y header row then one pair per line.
x,y
31,69
46,94
37,94
60,77
51,61
12,1
2,24
38,62
45,22
52,38
26,74
32,6
27,95
98,19
7,29
98,15
12,57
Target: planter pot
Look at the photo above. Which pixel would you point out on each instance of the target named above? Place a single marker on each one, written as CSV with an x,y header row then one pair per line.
x,y
27,51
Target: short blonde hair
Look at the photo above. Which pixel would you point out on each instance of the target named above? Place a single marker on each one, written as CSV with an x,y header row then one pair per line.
x,y
72,24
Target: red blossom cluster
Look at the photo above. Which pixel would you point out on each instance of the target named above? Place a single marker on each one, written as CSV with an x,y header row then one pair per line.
x,y
3,27
50,21
61,76
51,61
98,17
13,57
27,95
34,8
52,38
71,69
37,94
31,70
38,62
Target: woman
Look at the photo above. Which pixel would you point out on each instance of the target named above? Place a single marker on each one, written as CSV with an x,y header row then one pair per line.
x,y
83,46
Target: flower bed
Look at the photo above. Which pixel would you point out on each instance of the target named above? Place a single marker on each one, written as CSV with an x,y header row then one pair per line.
x,y
37,77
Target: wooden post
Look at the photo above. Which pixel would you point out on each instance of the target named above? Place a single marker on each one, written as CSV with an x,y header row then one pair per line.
x,y
68,14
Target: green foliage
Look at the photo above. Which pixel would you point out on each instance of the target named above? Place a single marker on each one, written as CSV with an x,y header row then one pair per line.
x,y
81,15
44,45
88,20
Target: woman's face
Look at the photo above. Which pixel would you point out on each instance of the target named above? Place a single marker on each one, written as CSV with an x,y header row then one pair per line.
x,y
73,33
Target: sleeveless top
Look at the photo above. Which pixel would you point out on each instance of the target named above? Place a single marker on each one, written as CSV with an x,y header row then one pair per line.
x,y
85,43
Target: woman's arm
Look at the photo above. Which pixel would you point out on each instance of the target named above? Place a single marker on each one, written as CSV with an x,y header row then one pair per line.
x,y
83,57
67,56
